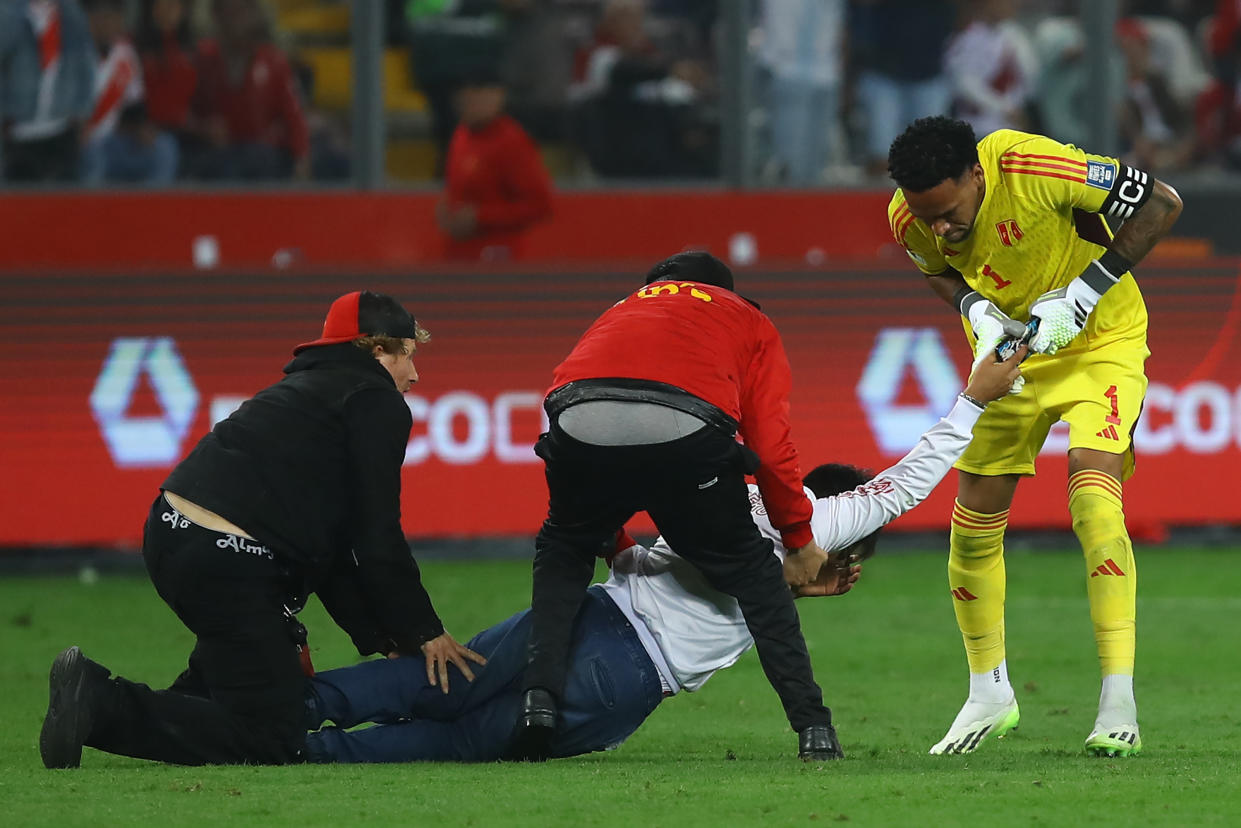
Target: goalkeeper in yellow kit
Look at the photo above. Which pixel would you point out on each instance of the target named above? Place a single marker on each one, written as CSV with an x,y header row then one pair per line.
x,y
1009,230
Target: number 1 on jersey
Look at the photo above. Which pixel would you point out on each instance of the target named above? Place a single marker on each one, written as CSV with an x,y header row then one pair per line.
x,y
1000,281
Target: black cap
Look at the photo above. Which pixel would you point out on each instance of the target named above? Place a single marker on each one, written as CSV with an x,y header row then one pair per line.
x,y
694,266
363,313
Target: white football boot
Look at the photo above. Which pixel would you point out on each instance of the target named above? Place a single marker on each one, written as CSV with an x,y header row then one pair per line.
x,y
1116,727
977,723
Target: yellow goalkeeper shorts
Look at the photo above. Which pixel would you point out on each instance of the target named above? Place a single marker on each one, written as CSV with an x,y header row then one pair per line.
x,y
1098,392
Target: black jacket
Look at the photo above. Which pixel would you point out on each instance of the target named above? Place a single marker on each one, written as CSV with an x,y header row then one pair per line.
x,y
311,468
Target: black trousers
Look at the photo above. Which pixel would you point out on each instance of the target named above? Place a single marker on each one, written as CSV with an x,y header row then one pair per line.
x,y
242,698
694,489
46,159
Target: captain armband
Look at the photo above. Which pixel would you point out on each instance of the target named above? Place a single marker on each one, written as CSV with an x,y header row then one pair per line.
x,y
1129,192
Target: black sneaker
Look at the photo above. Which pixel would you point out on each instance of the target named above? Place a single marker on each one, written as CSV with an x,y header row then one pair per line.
x,y
72,693
532,738
818,743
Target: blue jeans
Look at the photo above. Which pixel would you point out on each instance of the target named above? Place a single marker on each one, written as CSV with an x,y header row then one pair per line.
x,y
891,105
120,157
804,118
612,687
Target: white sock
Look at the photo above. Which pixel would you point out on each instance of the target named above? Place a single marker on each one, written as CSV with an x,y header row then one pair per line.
x,y
992,687
1116,699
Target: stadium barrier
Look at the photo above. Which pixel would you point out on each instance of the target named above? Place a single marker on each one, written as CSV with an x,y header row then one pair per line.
x,y
110,377
345,230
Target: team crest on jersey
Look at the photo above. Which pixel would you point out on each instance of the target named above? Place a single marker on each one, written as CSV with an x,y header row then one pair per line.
x,y
1009,232
1100,174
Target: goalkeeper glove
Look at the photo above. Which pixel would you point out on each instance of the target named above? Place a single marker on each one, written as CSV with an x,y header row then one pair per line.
x,y
1062,313
991,327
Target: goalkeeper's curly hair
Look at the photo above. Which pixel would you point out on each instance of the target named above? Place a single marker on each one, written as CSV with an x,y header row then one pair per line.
x,y
835,478
931,150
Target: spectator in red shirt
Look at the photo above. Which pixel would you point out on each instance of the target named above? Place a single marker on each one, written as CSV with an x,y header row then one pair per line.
x,y
166,46
497,186
644,414
1218,108
247,101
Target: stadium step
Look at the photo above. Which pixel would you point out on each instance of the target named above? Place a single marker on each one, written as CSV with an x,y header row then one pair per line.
x,y
410,159
313,20
333,80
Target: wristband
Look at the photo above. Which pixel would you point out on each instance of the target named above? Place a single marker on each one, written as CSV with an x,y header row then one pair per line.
x,y
1097,278
1115,264
965,298
977,403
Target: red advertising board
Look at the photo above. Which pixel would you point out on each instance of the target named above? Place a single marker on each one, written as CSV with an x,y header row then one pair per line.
x,y
343,230
109,379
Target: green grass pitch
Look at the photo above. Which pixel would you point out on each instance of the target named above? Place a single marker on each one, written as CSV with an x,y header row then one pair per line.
x,y
888,656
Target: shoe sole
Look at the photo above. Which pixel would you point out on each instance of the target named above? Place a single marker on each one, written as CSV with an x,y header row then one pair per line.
x,y
821,756
1114,745
67,722
971,741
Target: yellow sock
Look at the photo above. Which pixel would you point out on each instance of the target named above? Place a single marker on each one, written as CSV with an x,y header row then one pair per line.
x,y
1097,506
976,576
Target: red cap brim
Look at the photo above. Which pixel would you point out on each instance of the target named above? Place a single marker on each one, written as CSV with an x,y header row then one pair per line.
x,y
329,340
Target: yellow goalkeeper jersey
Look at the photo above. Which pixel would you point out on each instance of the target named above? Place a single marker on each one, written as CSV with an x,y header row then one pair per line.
x,y
1038,227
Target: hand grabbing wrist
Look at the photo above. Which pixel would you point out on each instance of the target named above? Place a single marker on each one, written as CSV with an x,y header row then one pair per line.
x,y
974,401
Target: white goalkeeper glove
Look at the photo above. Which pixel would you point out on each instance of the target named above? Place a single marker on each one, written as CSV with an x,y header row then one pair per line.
x,y
991,327
1062,313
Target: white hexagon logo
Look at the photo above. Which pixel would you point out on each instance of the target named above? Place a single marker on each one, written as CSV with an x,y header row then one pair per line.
x,y
144,442
896,428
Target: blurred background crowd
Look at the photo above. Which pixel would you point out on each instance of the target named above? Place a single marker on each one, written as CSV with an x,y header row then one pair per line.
x,y
755,92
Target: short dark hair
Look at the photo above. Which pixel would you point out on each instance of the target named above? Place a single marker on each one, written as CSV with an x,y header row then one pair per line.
x,y
931,150
836,478
694,266
151,40
480,74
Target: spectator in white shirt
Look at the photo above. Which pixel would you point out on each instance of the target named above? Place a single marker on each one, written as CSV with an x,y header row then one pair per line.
x,y
802,52
653,629
120,143
1155,125
993,69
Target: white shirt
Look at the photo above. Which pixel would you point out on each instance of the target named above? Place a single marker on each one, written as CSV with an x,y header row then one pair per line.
x,y
598,74
802,40
118,84
691,630
993,69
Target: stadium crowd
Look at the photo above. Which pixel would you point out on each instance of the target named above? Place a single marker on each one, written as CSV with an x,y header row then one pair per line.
x,y
153,91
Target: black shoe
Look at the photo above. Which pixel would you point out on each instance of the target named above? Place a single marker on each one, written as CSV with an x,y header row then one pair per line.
x,y
73,685
532,738
818,743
